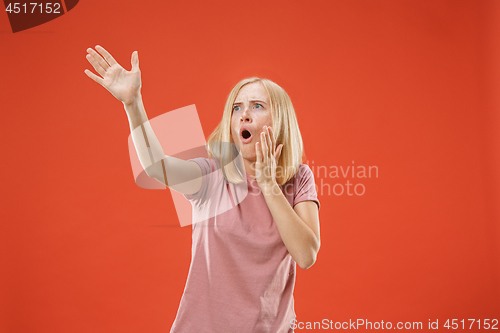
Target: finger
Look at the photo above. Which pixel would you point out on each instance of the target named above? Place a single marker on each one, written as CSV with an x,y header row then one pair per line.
x,y
270,141
94,77
111,61
272,137
99,59
95,63
265,150
278,152
135,60
258,152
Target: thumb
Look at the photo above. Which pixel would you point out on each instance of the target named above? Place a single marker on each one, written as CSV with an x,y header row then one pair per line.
x,y
135,60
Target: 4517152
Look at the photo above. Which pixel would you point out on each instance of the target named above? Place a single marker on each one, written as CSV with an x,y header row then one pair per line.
x,y
486,324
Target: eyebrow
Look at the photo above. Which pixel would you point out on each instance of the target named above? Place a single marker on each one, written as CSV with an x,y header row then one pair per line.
x,y
252,100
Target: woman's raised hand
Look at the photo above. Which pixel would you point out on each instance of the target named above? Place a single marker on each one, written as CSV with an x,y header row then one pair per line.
x,y
267,158
124,85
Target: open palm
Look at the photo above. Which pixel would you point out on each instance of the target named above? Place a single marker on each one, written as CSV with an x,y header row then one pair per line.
x,y
124,85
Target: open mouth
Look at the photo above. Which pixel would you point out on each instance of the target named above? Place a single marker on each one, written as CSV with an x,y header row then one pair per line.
x,y
245,135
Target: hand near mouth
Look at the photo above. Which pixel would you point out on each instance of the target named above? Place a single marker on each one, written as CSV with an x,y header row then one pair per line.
x,y
267,157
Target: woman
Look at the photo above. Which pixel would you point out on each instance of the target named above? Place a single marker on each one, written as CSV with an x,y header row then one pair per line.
x,y
242,271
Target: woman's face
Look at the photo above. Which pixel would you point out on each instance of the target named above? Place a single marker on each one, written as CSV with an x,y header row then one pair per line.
x,y
251,111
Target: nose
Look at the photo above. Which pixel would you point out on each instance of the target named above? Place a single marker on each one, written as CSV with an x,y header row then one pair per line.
x,y
245,116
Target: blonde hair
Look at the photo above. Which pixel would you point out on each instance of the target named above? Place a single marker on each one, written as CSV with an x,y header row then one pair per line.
x,y
286,131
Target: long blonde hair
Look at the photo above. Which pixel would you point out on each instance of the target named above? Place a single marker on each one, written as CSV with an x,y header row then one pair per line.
x,y
285,127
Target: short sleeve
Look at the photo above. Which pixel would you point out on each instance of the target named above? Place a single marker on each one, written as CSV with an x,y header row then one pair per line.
x,y
305,187
214,196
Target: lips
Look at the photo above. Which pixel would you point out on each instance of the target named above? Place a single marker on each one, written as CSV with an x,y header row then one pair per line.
x,y
245,134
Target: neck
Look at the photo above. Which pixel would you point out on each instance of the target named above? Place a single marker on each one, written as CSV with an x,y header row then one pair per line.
x,y
249,169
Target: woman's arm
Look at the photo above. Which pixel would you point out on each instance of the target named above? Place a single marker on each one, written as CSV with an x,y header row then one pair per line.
x,y
179,175
298,226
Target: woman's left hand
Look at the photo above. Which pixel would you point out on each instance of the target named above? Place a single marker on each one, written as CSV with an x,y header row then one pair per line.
x,y
267,158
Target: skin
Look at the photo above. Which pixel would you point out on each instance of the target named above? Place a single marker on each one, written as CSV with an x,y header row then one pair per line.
x,y
126,87
252,109
298,226
122,84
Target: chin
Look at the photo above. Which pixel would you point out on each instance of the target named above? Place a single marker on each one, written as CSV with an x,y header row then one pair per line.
x,y
248,152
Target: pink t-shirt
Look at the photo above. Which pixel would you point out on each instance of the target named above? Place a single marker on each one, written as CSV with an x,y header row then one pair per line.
x,y
241,277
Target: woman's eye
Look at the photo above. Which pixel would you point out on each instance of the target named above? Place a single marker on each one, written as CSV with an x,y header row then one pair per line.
x,y
234,107
258,105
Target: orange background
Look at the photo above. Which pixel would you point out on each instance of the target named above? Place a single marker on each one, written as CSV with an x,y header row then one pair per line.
x,y
411,87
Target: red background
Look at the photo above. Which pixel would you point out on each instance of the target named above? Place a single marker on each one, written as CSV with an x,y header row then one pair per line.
x,y
410,87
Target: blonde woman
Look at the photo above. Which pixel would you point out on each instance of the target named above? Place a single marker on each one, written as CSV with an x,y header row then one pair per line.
x,y
243,263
